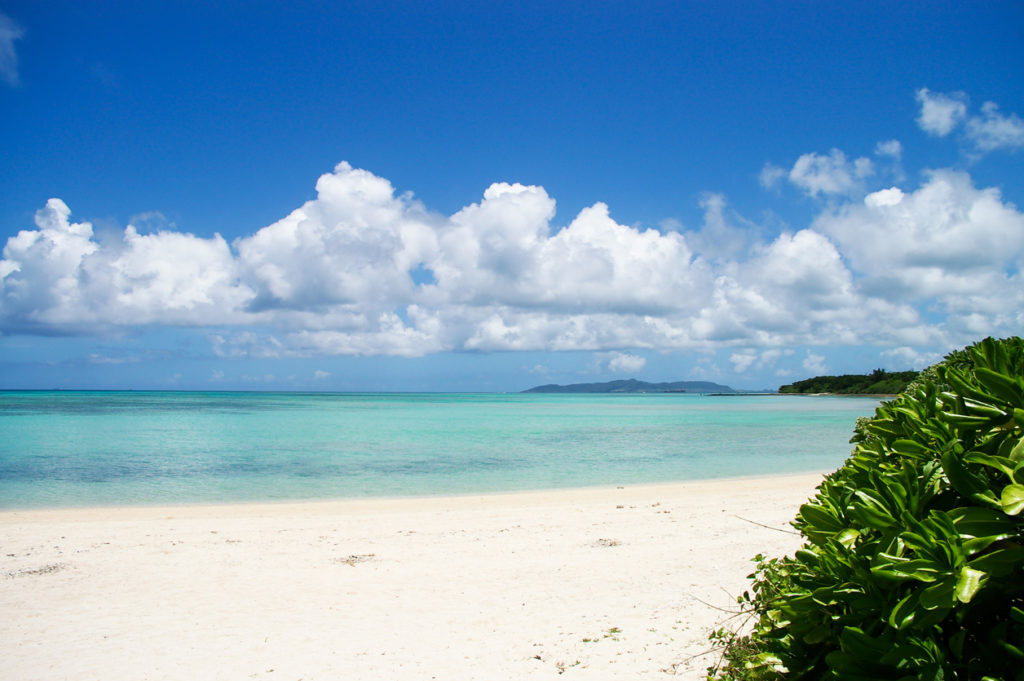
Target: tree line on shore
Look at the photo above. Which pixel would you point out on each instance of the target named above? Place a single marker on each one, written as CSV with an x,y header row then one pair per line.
x,y
878,382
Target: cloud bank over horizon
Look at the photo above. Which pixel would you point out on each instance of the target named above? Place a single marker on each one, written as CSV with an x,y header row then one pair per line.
x,y
363,269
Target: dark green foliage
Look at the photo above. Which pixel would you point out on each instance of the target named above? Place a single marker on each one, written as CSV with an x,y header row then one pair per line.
x,y
913,564
878,382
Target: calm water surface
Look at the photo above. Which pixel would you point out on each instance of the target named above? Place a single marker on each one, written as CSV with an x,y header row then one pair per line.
x,y
105,448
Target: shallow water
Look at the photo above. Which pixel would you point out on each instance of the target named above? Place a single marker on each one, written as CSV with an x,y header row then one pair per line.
x,y
126,448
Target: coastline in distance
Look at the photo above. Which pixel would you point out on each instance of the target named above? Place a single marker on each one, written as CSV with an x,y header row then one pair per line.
x,y
634,386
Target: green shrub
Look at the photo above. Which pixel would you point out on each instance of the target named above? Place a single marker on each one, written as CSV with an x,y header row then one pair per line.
x,y
913,561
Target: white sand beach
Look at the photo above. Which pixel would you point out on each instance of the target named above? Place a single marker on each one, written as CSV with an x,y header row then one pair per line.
x,y
610,583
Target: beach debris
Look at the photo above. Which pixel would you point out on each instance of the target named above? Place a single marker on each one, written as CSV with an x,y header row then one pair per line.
x,y
355,558
43,570
606,542
562,666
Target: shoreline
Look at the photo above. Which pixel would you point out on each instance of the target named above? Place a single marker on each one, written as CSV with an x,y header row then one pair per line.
x,y
591,583
411,500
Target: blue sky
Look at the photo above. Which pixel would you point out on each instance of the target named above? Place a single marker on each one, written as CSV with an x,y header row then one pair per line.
x,y
474,196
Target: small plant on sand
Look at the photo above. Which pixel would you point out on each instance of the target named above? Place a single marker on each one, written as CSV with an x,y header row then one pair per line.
x,y
913,562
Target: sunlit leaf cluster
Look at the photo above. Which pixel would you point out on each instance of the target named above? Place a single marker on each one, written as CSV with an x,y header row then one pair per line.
x,y
913,564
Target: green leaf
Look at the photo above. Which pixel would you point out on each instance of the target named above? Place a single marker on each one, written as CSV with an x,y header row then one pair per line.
x,y
979,408
976,545
1001,562
854,641
818,634
925,543
1001,386
941,523
1012,650
896,493
991,353
1012,499
968,583
911,448
978,521
807,557
848,537
941,594
820,519
920,569
960,384
870,518
964,481
902,616
997,462
885,428
871,511
965,420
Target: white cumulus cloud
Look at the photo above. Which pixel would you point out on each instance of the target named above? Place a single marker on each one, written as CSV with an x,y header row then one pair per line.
x,y
948,244
940,113
747,357
946,237
742,360
992,130
815,364
905,358
720,238
59,275
989,131
624,363
833,174
353,245
771,175
364,270
890,148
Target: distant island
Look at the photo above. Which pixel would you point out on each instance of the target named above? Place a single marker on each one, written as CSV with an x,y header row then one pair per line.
x,y
634,386
878,382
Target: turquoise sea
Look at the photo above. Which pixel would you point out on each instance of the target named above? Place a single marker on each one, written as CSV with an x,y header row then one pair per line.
x,y
130,448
